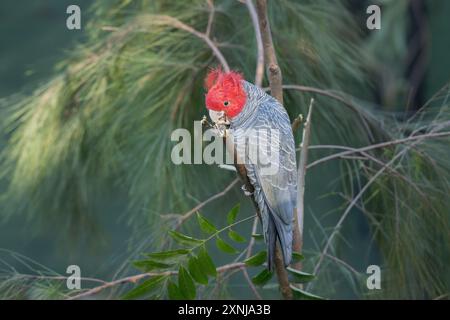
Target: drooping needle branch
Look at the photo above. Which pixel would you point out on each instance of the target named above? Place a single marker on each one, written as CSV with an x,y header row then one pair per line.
x,y
360,194
174,22
377,146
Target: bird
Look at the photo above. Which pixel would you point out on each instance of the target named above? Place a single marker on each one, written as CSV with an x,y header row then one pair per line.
x,y
257,121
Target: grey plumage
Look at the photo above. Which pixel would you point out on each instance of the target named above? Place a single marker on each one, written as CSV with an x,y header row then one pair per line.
x,y
276,187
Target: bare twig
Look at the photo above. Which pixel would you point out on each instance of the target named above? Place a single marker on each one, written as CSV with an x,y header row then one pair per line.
x,y
362,191
250,283
339,97
376,146
298,227
368,156
322,92
342,262
347,211
259,74
138,277
252,240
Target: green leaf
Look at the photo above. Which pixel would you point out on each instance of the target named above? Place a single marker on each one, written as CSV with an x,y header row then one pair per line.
x,y
300,276
186,284
145,288
258,236
173,256
301,294
256,260
184,239
206,263
148,265
225,247
297,257
196,271
206,225
231,217
262,278
173,291
235,236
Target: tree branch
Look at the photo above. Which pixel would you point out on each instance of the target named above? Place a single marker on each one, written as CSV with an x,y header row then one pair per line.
x,y
303,160
376,146
272,68
252,239
367,156
138,277
363,190
275,81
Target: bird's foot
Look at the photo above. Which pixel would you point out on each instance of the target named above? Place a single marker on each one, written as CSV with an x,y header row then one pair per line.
x,y
227,167
246,192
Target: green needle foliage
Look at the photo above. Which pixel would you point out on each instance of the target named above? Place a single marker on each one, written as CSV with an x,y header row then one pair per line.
x,y
106,119
100,129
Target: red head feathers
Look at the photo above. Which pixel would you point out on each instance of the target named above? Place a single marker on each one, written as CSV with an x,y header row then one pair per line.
x,y
225,92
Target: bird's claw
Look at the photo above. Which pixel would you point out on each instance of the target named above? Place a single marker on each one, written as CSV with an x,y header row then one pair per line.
x,y
246,192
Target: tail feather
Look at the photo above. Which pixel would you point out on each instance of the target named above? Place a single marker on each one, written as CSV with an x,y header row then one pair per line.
x,y
277,230
271,244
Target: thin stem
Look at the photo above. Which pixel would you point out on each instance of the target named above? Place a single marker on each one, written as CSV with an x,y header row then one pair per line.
x,y
42,277
252,240
138,277
376,146
360,194
216,196
210,18
222,230
322,92
272,68
259,73
301,182
168,20
250,283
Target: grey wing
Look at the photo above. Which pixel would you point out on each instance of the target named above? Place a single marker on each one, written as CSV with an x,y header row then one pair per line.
x,y
274,173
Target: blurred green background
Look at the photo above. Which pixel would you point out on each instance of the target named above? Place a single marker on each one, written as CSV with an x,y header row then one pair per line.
x,y
34,39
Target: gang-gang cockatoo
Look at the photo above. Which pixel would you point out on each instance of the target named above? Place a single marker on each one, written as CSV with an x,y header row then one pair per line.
x,y
261,132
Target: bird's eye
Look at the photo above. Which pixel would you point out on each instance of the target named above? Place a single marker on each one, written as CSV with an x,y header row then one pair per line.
x,y
226,103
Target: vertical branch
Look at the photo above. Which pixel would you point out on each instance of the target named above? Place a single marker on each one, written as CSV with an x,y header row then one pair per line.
x,y
210,18
259,74
272,68
252,240
275,81
298,227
